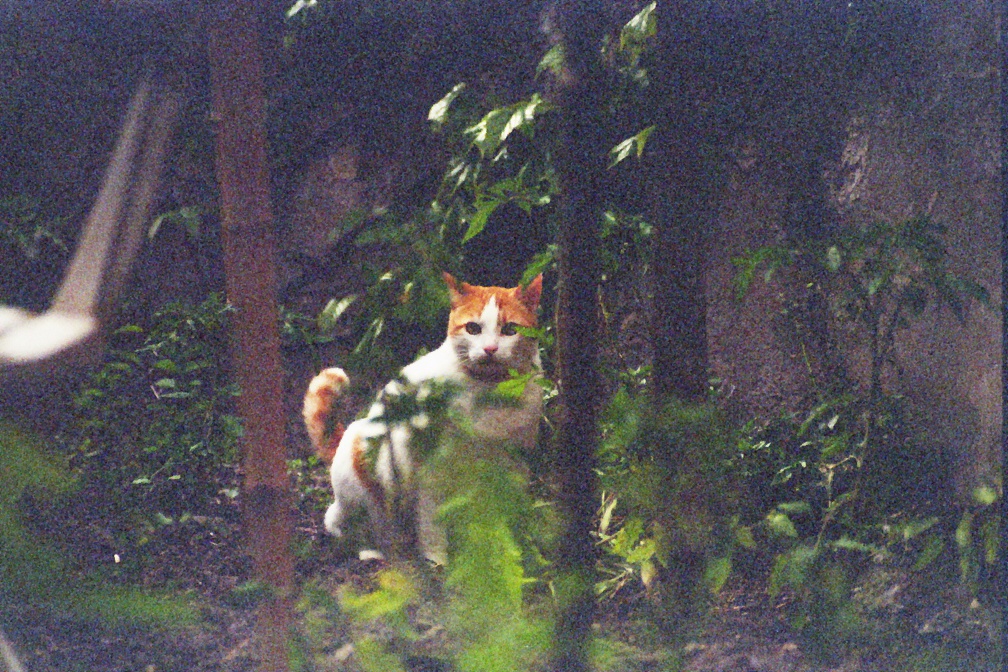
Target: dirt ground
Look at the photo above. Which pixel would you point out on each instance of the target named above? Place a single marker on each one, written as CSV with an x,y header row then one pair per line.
x,y
202,562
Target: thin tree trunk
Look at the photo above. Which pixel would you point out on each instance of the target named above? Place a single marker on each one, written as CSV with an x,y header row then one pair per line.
x,y
1003,531
250,267
580,163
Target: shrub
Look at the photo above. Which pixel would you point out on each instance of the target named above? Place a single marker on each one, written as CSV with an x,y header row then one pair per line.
x,y
153,428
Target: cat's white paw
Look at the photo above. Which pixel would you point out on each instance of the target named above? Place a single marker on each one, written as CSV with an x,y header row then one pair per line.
x,y
333,518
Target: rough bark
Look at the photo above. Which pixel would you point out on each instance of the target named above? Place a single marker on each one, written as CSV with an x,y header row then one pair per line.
x,y
1003,531
579,165
250,267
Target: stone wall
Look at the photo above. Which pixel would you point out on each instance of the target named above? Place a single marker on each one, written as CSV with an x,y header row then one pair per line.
x,y
937,154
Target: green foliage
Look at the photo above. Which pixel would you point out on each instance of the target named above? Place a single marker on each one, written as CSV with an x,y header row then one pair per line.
x,y
878,279
843,480
33,251
154,428
977,538
487,577
500,155
35,571
669,494
28,567
24,227
495,530
634,145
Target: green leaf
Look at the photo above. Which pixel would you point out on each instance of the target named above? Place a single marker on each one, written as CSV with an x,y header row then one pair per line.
x,y
716,573
478,220
514,387
494,128
848,544
553,60
780,524
744,536
395,591
606,517
298,7
791,568
372,656
439,110
933,547
915,527
642,26
633,144
833,259
876,284
769,257
623,542
539,264
333,310
645,550
991,536
648,570
964,531
984,495
794,507
834,445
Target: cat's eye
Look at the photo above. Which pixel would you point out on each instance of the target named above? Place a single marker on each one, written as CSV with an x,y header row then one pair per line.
x,y
473,328
509,329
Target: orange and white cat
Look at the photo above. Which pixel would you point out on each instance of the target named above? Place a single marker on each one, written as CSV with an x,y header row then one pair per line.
x,y
484,345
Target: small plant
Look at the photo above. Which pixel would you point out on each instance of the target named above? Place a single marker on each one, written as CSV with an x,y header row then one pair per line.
x,y
494,530
978,540
835,478
668,519
878,280
154,429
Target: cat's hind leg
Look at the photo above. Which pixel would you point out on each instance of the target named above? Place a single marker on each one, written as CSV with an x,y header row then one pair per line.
x,y
334,518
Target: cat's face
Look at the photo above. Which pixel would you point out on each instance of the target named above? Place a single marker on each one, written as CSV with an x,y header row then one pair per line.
x,y
483,328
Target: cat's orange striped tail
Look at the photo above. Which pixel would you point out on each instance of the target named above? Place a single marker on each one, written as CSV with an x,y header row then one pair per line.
x,y
322,392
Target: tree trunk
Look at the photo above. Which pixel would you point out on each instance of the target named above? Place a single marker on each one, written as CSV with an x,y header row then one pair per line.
x,y
250,267
680,192
580,163
681,213
1003,529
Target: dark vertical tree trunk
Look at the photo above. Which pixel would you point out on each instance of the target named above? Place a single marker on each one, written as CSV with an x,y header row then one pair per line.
x,y
580,165
680,212
680,190
249,260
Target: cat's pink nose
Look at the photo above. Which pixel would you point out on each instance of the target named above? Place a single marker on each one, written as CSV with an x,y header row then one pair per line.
x,y
490,349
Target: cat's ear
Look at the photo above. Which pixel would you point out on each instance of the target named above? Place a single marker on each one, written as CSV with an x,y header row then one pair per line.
x,y
454,291
529,296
